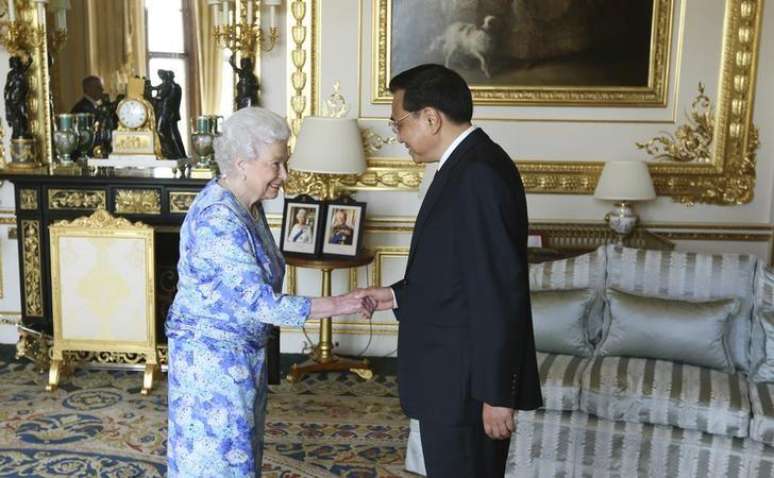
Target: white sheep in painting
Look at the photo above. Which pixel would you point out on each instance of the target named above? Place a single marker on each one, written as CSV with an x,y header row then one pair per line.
x,y
467,39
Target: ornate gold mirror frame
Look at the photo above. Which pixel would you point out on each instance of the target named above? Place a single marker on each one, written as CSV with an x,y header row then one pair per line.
x,y
724,175
27,38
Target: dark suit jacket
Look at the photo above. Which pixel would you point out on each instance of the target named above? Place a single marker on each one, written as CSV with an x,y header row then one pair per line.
x,y
84,106
465,317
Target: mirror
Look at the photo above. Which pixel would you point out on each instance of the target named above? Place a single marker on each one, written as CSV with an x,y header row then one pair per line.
x,y
118,39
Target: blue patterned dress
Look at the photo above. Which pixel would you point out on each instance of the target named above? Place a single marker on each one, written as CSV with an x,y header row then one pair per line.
x,y
229,292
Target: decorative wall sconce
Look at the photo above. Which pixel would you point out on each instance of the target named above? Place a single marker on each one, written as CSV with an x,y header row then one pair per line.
x,y
238,24
20,36
57,35
17,36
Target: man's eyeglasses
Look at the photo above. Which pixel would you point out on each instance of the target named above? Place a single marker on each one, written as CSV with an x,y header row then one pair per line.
x,y
394,124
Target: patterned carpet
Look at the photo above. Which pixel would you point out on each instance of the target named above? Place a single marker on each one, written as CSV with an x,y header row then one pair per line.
x,y
98,425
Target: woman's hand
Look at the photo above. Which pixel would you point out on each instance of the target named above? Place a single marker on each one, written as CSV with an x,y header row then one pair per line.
x,y
345,304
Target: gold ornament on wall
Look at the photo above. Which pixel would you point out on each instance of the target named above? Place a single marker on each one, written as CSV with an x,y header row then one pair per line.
x,y
372,142
692,144
335,105
692,141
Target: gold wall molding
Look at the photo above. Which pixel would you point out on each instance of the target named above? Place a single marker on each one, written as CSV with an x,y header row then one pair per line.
x,y
380,254
180,201
138,201
76,199
8,221
28,199
654,94
569,231
380,175
386,175
301,61
33,285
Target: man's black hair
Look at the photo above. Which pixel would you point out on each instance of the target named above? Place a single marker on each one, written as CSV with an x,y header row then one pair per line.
x,y
437,87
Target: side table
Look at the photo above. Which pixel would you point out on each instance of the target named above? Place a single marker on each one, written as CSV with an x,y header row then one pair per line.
x,y
322,358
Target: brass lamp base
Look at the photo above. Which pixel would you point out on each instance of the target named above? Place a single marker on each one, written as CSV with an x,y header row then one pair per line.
x,y
333,364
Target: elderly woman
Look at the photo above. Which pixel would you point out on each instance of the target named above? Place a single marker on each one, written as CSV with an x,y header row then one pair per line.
x,y
229,294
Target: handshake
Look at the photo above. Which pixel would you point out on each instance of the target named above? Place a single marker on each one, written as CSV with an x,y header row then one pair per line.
x,y
359,301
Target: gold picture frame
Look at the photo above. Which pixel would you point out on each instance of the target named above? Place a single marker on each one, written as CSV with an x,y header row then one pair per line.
x,y
103,266
725,177
654,93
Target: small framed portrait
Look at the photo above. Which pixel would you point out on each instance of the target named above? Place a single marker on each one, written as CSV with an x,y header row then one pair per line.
x,y
342,234
301,226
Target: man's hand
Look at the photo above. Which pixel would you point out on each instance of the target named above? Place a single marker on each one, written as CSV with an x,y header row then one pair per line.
x,y
382,296
498,422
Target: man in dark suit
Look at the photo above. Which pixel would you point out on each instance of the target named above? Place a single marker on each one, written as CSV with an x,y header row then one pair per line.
x,y
92,93
466,352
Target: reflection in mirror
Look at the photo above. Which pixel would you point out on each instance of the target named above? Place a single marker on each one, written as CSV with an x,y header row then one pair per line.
x,y
118,39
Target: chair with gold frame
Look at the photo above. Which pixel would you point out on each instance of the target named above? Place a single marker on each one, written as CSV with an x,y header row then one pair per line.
x,y
103,291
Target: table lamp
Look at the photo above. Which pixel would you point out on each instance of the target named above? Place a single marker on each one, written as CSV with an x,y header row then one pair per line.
x,y
624,182
328,148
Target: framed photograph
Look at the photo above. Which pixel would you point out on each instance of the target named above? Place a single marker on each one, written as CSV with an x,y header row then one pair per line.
x,y
301,226
342,234
538,52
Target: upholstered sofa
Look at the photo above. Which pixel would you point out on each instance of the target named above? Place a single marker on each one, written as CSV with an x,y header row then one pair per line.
x,y
653,363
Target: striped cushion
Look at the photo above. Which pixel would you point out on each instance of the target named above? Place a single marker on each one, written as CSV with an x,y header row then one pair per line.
x,y
581,272
560,377
762,423
762,347
764,287
666,393
574,444
690,276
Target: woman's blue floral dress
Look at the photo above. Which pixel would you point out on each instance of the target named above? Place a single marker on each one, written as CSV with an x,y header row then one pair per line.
x,y
229,292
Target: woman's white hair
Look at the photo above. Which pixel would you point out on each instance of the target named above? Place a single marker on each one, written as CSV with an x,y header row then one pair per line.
x,y
245,134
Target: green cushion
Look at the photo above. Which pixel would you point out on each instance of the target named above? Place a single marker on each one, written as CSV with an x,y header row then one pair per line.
x,y
560,320
690,332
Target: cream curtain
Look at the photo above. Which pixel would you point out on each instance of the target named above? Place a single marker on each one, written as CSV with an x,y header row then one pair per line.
x,y
208,57
116,33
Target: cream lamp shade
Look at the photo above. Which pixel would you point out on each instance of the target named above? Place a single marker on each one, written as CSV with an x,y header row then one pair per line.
x,y
329,146
625,181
